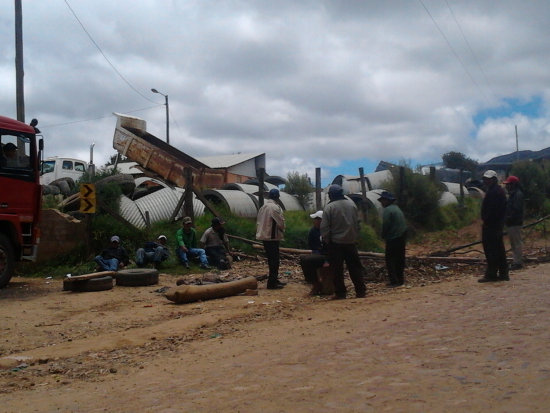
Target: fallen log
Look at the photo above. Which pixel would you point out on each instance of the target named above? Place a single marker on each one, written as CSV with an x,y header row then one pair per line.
x,y
191,293
90,276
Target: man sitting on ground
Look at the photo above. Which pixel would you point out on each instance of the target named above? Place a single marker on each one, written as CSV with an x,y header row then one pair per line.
x,y
310,263
112,258
186,239
215,242
154,252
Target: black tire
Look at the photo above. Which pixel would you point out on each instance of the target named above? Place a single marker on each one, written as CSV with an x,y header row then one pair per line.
x,y
63,186
93,284
7,259
137,277
50,190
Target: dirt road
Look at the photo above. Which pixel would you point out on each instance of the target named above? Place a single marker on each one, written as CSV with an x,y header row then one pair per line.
x,y
452,346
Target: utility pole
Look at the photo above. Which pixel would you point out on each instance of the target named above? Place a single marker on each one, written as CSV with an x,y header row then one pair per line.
x,y
517,144
19,85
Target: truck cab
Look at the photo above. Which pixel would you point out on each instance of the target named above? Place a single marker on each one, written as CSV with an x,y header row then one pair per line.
x,y
20,195
55,167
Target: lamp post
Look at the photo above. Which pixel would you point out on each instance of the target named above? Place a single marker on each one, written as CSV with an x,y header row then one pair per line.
x,y
167,114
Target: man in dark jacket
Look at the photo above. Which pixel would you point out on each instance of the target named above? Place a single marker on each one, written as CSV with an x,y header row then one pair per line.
x,y
310,263
154,252
340,230
493,212
113,258
514,219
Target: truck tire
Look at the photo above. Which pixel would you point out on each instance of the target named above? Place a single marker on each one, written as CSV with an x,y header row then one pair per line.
x,y
63,185
7,259
137,277
93,284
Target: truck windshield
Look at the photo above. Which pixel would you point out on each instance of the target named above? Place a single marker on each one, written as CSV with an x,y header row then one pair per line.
x,y
48,166
15,153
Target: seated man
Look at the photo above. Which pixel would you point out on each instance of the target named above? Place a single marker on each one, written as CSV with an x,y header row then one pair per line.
x,y
113,258
186,238
312,262
154,252
215,242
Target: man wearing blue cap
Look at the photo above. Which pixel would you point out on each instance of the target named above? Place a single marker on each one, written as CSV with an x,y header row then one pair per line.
x,y
270,228
340,230
394,231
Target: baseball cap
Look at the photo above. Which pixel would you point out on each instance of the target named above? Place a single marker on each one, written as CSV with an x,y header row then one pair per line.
x,y
115,238
387,195
489,173
511,180
318,214
217,220
187,220
274,193
162,237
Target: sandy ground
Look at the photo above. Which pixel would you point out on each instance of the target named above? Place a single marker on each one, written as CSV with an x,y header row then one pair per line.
x,y
445,343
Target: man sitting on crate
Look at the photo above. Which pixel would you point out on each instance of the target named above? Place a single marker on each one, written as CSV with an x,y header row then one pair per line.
x,y
112,258
154,252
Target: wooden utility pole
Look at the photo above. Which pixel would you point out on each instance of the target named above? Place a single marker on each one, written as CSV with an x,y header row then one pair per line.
x,y
318,202
188,203
261,176
19,85
364,194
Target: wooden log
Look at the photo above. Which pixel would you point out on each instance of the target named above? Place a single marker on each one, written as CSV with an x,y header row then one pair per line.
x,y
91,275
191,293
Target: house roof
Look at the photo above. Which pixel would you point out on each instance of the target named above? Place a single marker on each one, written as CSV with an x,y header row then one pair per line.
x,y
227,161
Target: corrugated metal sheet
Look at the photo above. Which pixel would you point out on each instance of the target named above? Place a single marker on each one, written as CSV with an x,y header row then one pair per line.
x,y
160,204
290,203
249,189
352,184
239,203
447,198
454,188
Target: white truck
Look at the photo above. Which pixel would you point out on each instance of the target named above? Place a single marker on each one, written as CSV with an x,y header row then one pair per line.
x,y
54,168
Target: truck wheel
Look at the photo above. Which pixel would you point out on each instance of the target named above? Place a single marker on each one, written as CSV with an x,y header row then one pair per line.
x,y
7,259
93,284
137,277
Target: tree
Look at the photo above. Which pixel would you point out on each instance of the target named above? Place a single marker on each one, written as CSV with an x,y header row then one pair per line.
x,y
457,160
300,186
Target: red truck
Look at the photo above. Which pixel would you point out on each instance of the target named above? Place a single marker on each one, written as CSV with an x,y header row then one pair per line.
x,y
20,194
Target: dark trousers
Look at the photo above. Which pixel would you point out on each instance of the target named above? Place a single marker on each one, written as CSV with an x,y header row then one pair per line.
x,y
495,253
310,264
395,259
337,254
272,252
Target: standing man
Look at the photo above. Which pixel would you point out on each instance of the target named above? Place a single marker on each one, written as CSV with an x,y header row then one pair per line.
x,y
340,230
310,263
493,213
514,219
270,228
112,258
216,244
186,238
394,231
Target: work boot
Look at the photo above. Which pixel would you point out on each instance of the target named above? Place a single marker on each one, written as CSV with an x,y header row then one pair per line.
x,y
274,286
186,265
205,266
515,266
487,279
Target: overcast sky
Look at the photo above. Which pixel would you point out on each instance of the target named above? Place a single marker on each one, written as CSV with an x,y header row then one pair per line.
x,y
331,84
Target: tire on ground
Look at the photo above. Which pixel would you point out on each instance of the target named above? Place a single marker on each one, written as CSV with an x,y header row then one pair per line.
x,y
63,185
93,284
7,258
50,190
137,277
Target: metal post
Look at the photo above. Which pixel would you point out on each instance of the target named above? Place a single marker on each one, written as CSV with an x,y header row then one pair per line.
x,y
19,73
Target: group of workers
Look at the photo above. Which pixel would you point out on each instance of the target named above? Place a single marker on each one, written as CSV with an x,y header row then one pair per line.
x,y
333,239
211,249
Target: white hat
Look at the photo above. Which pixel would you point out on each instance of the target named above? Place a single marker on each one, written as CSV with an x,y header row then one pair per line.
x,y
318,214
162,236
115,238
489,173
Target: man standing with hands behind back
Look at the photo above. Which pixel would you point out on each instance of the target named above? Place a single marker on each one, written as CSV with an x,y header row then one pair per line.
x,y
270,228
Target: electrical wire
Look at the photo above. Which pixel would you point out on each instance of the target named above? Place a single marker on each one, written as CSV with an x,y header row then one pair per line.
x,y
104,56
98,118
454,51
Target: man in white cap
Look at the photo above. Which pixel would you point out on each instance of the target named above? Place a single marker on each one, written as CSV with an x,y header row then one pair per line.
x,y
310,263
112,258
493,213
154,252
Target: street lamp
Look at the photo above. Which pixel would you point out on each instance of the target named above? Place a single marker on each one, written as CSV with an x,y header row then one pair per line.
x,y
167,116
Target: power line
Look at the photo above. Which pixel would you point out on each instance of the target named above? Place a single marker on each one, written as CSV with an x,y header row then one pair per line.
x,y
453,51
98,118
470,47
104,56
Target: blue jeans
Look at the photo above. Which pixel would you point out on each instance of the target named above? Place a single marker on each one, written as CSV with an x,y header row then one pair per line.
x,y
157,256
110,264
193,252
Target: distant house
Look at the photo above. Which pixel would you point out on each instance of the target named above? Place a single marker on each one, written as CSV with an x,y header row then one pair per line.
x,y
238,168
